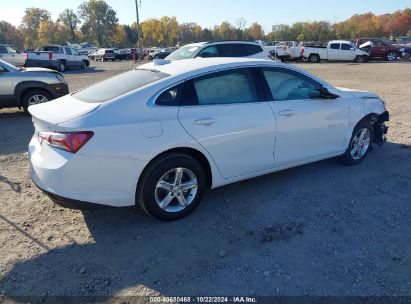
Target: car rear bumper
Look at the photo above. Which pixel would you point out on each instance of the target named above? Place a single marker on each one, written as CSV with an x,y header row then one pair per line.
x,y
42,63
81,180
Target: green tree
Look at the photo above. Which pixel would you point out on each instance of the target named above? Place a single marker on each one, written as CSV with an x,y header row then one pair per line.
x,y
31,23
70,20
9,34
254,32
99,21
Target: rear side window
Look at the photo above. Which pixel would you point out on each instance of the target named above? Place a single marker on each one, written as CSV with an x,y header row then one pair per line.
x,y
68,51
170,97
232,50
290,85
335,46
54,49
119,85
251,49
229,87
346,47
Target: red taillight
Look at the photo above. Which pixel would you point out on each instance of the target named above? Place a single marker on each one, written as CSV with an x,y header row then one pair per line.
x,y
50,55
71,142
302,51
27,55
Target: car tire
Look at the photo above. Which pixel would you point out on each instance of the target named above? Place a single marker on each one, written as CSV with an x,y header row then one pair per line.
x,y
391,56
62,66
406,56
83,65
160,185
314,58
360,59
35,97
360,144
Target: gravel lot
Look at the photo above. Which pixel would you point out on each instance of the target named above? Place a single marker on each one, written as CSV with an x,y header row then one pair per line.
x,y
320,229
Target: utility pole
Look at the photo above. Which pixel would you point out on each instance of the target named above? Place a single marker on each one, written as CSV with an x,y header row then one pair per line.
x,y
138,29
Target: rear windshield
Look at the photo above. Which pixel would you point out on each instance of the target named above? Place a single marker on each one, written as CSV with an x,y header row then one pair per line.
x,y
109,51
119,85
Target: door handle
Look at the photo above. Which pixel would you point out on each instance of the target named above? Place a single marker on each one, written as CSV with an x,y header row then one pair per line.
x,y
286,113
206,122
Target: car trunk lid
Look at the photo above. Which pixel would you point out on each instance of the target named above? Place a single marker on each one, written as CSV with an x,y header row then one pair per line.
x,y
48,115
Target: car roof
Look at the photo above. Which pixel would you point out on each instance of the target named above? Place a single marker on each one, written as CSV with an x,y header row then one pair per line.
x,y
198,65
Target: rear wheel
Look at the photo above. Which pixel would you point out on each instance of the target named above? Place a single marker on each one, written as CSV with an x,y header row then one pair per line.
x,y
392,56
171,187
314,58
83,65
35,97
360,144
62,66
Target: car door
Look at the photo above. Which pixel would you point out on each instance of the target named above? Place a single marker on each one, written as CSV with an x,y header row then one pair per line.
x,y
225,114
347,52
70,57
6,87
16,58
334,51
379,48
4,55
308,126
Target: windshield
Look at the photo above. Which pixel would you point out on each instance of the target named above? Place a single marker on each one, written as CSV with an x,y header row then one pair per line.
x,y
118,85
186,52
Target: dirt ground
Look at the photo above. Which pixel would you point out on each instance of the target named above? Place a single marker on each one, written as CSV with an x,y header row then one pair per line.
x,y
321,229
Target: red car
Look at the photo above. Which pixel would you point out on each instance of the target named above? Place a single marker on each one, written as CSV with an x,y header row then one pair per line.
x,y
380,48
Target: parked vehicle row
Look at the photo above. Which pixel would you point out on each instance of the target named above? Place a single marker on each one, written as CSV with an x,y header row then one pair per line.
x,y
56,57
23,87
201,123
336,50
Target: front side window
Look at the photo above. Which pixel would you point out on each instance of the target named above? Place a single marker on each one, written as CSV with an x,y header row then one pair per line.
x,y
229,87
11,50
68,51
119,85
335,46
290,85
346,47
209,52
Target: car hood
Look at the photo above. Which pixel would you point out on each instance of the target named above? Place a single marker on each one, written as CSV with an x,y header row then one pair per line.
x,y
358,93
47,116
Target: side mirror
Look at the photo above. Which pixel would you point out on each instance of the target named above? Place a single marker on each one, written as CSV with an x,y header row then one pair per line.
x,y
325,94
352,49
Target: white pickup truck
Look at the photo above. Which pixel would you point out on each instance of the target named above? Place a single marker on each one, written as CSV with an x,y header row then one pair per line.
x,y
57,57
282,49
336,50
12,55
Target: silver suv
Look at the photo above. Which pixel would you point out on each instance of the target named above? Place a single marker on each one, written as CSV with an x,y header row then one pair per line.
x,y
23,87
229,48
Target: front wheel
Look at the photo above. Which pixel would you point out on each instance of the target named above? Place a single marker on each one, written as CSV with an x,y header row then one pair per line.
x,y
360,144
392,56
171,187
35,97
360,59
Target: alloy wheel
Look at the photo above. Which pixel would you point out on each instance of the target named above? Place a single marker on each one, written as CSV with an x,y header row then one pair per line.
x,y
37,99
360,143
176,190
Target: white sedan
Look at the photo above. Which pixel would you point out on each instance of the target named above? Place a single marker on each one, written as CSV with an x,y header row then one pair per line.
x,y
161,134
